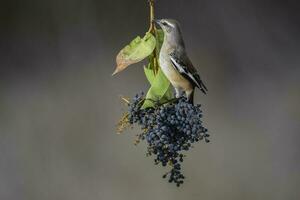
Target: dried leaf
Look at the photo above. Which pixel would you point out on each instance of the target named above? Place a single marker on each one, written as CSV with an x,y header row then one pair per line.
x,y
136,51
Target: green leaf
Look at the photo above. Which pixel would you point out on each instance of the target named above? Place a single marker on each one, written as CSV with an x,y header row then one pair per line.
x,y
159,39
136,51
168,95
149,69
159,91
149,73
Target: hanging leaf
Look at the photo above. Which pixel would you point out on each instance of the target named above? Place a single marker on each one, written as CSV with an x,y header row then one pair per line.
x,y
159,91
159,39
136,51
149,73
168,95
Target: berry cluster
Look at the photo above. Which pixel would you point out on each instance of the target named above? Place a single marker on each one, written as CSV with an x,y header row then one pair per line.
x,y
169,129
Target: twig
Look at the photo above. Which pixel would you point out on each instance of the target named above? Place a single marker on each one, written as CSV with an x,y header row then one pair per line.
x,y
152,26
126,100
152,29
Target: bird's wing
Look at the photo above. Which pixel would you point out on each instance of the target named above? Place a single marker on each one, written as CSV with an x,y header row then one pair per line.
x,y
184,66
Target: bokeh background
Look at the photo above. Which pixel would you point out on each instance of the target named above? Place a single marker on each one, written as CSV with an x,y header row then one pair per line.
x,y
59,104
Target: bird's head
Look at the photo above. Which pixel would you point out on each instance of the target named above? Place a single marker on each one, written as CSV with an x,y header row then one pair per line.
x,y
168,25
171,29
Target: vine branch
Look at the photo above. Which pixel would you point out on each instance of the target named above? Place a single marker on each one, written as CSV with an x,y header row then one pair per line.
x,y
152,29
152,26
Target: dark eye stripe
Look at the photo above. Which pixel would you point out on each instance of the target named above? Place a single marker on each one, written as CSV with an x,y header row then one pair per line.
x,y
165,23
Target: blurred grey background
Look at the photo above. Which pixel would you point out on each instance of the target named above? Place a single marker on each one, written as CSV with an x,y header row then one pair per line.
x,y
59,104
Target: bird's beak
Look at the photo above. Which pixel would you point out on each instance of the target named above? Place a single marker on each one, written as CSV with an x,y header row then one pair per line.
x,y
157,22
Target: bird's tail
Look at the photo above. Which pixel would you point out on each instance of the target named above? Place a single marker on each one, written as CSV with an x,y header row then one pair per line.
x,y
199,84
203,88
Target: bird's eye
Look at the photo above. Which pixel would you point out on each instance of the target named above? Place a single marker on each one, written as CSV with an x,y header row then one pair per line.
x,y
165,23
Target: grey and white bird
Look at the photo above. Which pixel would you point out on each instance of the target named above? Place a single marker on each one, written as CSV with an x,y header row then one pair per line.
x,y
175,63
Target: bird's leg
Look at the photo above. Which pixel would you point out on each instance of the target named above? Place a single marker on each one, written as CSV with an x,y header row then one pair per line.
x,y
190,95
177,92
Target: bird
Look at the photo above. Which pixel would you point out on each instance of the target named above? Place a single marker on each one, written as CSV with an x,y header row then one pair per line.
x,y
175,63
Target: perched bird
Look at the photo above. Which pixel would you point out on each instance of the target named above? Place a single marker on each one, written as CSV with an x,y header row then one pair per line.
x,y
175,63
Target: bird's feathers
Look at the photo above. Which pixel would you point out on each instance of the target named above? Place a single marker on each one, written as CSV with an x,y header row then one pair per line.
x,y
184,66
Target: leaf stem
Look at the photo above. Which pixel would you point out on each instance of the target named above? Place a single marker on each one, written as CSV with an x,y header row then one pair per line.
x,y
152,26
152,29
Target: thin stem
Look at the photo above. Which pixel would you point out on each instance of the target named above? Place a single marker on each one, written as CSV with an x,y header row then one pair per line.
x,y
152,29
152,26
125,100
